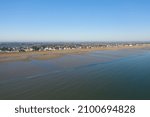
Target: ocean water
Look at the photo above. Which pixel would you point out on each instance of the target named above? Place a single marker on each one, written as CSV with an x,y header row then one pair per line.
x,y
110,74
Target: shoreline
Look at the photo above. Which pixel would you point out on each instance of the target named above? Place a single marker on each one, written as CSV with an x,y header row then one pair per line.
x,y
45,55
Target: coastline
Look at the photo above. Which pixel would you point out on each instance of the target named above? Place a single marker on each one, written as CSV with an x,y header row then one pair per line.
x,y
45,55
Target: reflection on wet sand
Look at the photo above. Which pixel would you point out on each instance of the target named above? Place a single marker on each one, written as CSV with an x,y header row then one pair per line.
x,y
109,74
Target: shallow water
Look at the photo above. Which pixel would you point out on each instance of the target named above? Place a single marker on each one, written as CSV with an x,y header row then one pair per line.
x,y
117,74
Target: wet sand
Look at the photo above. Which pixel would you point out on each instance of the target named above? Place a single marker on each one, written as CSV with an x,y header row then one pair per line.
x,y
45,55
106,74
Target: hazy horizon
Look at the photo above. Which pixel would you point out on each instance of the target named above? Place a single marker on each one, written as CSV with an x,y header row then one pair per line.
x,y
74,21
117,41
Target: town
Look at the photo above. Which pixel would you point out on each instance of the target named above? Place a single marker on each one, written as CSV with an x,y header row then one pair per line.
x,y
31,46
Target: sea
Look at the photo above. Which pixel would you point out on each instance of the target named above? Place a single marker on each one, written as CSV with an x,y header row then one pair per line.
x,y
100,75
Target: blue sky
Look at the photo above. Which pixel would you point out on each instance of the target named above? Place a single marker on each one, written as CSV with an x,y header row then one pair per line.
x,y
74,20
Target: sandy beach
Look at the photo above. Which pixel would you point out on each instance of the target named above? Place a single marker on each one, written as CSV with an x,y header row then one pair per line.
x,y
45,55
